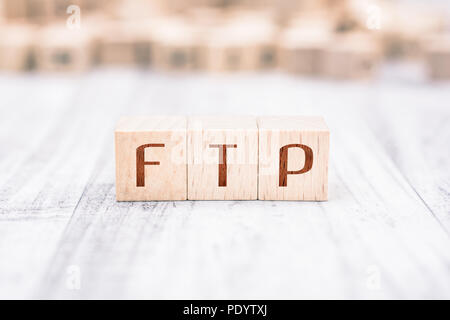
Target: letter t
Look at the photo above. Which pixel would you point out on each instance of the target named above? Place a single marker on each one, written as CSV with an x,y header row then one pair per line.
x,y
223,161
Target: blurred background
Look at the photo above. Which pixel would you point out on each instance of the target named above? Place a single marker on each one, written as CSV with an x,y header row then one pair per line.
x,y
341,39
377,71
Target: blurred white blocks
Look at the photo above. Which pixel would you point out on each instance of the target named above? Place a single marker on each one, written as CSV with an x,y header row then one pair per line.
x,y
334,39
302,49
46,11
293,158
62,50
242,45
353,56
26,10
405,25
437,55
178,46
16,47
124,44
311,49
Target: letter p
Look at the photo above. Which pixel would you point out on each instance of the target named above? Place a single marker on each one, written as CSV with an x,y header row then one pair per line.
x,y
284,162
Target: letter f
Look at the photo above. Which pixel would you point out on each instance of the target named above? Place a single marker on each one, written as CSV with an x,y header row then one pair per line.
x,y
141,163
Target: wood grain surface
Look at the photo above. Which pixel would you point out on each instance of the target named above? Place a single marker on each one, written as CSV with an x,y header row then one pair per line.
x,y
384,233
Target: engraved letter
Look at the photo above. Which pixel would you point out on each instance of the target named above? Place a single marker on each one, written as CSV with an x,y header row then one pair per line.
x,y
223,161
284,162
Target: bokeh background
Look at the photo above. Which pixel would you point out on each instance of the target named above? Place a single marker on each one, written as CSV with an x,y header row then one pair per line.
x,y
340,39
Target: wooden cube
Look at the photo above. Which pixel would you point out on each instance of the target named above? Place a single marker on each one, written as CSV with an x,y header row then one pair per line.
x,y
58,8
293,158
205,16
437,56
16,47
242,46
176,55
302,49
222,158
178,46
45,11
37,10
61,49
88,6
2,11
135,10
125,44
403,26
151,158
15,9
351,57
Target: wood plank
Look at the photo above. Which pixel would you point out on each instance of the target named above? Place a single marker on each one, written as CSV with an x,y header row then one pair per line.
x,y
47,164
363,243
415,135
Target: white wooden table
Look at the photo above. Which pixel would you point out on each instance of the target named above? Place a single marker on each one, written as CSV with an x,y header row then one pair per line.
x,y
384,233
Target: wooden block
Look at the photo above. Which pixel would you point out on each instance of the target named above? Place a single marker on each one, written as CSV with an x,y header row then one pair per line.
x,y
58,8
259,34
302,48
136,10
206,17
293,158
2,12
60,49
351,57
16,47
222,158
15,9
176,6
93,5
151,158
403,26
178,46
37,10
45,11
245,42
125,44
242,46
437,56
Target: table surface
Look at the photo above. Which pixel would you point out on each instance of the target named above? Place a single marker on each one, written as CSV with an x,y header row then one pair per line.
x,y
384,233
